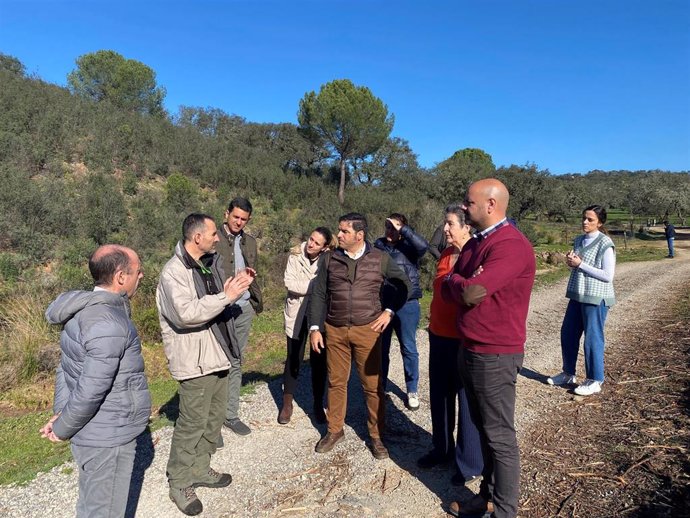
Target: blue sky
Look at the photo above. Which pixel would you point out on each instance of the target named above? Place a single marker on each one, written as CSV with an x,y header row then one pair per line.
x,y
569,85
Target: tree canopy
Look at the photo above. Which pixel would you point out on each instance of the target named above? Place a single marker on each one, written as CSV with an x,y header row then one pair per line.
x,y
347,120
108,76
456,173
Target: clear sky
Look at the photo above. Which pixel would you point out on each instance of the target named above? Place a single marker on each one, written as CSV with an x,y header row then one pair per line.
x,y
569,85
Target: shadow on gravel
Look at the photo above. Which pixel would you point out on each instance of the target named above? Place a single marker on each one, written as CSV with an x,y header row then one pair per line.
x,y
406,441
171,409
142,460
533,375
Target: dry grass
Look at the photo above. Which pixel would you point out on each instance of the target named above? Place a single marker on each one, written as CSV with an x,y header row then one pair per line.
x,y
28,344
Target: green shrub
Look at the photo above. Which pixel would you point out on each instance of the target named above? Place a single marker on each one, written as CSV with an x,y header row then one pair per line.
x,y
10,266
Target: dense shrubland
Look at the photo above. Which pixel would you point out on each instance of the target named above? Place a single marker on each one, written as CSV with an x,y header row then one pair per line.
x,y
76,173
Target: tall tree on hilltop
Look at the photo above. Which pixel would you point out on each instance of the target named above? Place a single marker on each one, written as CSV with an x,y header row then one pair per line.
x,y
347,120
107,76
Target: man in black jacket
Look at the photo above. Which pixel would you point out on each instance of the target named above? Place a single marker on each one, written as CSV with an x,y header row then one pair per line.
x,y
407,248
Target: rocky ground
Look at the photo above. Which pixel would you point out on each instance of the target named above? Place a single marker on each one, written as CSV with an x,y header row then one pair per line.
x,y
277,473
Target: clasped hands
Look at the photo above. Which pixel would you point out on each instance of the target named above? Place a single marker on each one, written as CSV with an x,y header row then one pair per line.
x,y
572,259
47,430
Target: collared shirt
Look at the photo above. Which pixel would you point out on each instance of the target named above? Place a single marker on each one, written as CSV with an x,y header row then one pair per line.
x,y
359,253
239,261
488,231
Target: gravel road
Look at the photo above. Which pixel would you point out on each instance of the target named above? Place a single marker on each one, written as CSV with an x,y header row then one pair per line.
x,y
277,473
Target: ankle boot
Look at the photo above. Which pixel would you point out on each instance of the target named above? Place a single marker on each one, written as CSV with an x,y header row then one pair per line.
x,y
285,412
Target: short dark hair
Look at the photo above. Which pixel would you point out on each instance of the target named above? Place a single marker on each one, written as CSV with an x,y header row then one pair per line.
x,y
194,223
241,203
399,217
456,208
104,265
358,221
598,210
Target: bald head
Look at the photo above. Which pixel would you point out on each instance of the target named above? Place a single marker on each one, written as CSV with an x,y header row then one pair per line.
x,y
107,260
486,203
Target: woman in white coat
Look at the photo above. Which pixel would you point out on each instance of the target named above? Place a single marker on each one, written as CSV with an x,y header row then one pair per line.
x,y
300,271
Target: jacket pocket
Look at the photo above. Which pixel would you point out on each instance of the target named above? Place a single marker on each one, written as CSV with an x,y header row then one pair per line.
x,y
136,397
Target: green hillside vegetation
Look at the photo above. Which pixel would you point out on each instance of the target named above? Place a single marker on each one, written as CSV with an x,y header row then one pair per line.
x,y
81,167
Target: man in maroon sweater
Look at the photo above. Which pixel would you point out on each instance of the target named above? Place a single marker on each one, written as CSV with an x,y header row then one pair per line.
x,y
491,283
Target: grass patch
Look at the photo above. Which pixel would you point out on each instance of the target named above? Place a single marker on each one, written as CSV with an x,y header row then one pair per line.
x,y
24,452
551,276
638,253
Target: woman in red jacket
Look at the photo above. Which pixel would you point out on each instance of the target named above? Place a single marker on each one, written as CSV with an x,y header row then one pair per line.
x,y
444,382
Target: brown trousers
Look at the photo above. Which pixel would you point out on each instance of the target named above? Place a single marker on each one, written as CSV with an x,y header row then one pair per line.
x,y
362,344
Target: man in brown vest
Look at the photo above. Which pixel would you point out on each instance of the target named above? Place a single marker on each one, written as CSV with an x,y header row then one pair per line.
x,y
350,304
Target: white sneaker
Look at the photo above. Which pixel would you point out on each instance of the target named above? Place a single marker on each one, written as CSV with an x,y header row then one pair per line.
x,y
588,387
562,379
412,400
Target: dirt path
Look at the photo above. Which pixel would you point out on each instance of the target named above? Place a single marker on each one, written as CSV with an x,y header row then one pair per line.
x,y
277,473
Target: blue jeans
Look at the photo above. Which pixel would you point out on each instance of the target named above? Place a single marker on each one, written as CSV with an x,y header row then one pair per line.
x,y
588,319
405,324
669,241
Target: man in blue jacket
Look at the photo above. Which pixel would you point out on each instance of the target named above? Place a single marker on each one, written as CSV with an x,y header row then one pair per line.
x,y
670,233
102,401
407,248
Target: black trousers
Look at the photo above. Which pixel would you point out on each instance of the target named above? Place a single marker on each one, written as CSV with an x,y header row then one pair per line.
x,y
490,381
445,388
295,356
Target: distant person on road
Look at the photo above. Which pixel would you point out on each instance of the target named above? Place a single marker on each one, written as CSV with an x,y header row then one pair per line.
x,y
407,248
590,290
670,233
445,386
300,272
348,306
492,322
102,401
197,326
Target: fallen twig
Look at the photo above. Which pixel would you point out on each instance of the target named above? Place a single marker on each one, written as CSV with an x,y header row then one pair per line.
x,y
561,507
642,379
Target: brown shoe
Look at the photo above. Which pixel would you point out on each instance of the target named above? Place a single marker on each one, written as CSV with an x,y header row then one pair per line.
x,y
475,505
285,412
328,441
378,450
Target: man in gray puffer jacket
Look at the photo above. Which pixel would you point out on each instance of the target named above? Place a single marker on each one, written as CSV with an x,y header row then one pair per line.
x,y
102,401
